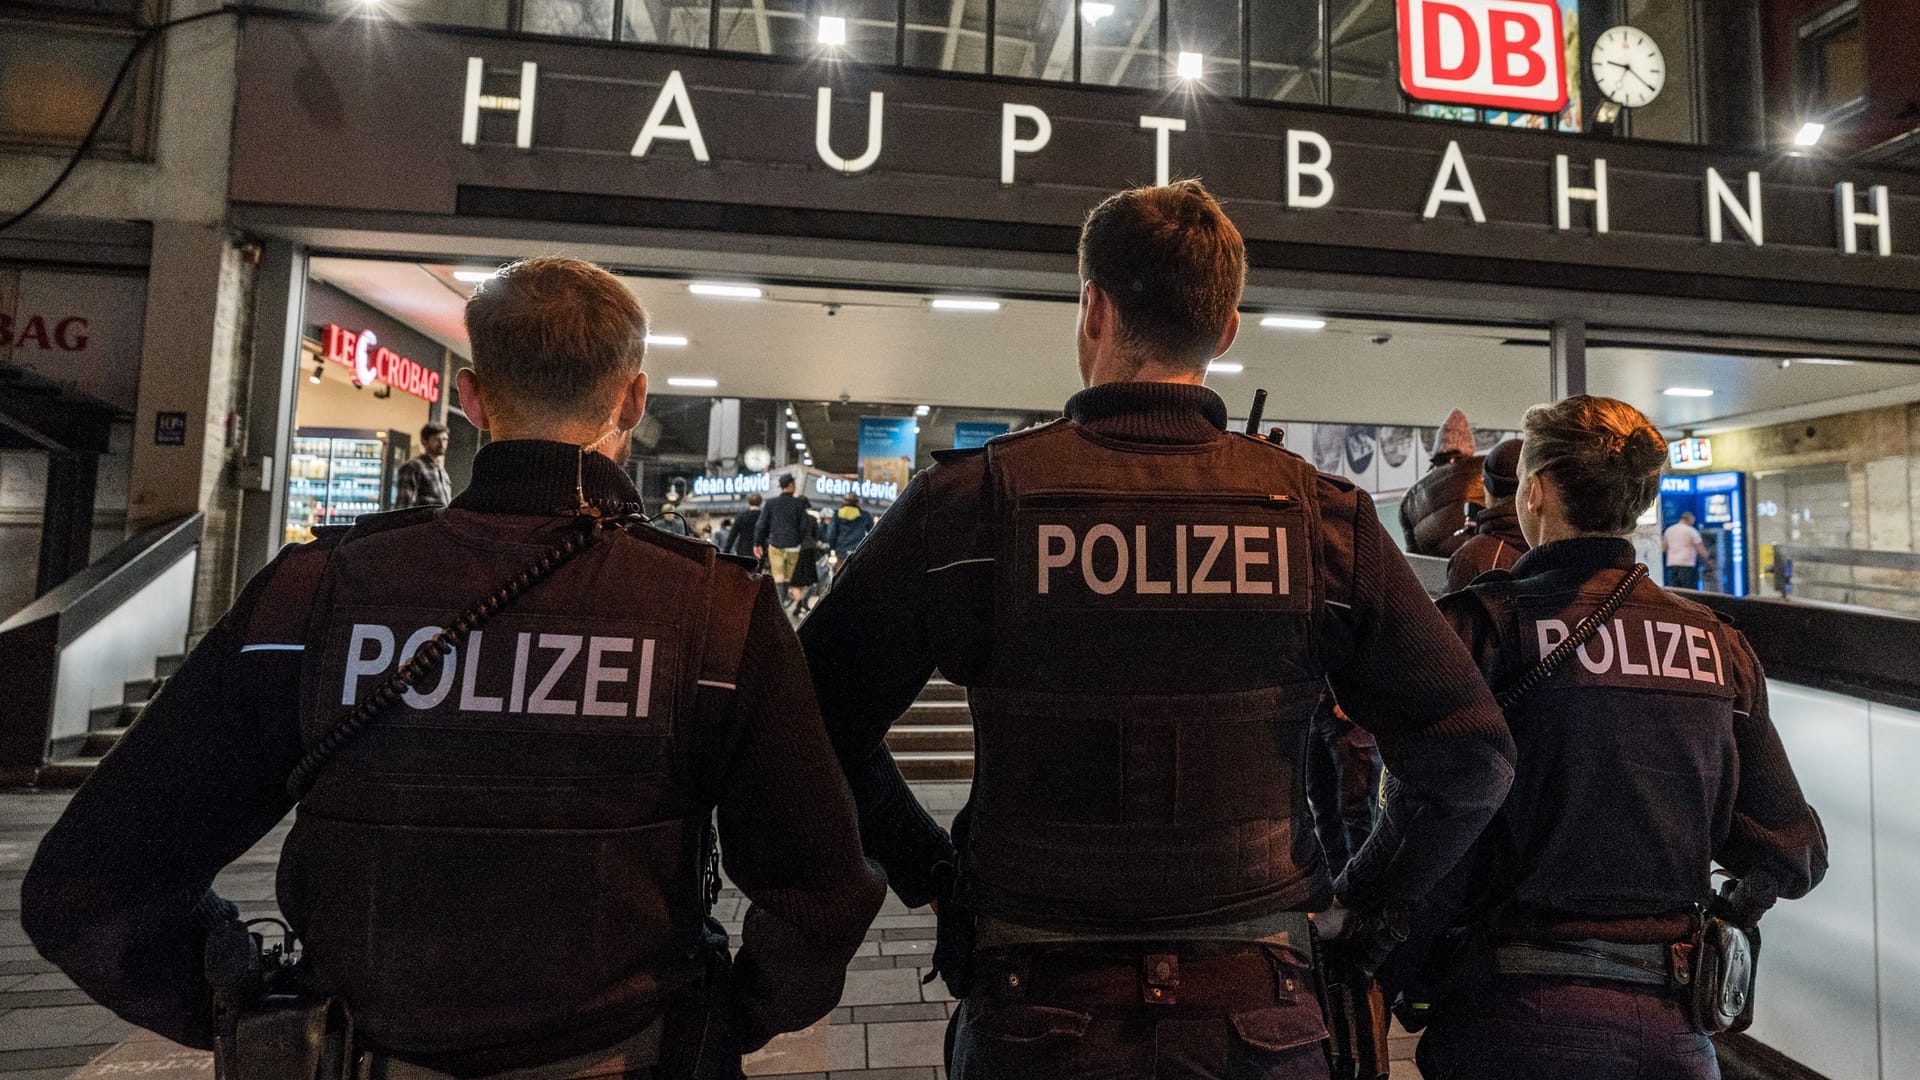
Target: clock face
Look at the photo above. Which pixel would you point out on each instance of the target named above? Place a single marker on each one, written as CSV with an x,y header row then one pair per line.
x,y
1628,66
756,458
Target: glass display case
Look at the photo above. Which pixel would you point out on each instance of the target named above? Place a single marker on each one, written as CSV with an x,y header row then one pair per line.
x,y
335,475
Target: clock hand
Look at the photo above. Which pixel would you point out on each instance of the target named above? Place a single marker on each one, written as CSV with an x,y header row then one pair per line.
x,y
1641,81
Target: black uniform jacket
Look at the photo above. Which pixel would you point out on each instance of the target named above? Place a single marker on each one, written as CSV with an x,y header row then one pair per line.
x,y
113,894
1496,544
1408,681
1729,794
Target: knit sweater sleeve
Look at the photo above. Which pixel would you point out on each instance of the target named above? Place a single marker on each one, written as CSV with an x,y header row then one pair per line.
x,y
1447,750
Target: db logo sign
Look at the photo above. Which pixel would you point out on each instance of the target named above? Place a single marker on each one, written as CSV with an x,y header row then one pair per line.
x,y
1503,54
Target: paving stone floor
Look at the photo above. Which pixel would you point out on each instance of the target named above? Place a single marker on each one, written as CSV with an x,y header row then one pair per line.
x,y
889,1026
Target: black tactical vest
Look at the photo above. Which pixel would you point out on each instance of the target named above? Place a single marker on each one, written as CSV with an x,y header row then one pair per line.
x,y
515,850
1142,686
1627,774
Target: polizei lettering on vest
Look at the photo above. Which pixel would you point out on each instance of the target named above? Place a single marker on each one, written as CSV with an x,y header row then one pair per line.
x,y
536,673
1207,559
1649,648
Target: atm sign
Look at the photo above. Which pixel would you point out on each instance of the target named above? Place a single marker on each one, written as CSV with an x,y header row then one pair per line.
x,y
1501,54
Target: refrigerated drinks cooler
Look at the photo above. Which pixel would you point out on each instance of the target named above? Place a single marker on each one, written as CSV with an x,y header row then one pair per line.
x,y
336,474
1719,504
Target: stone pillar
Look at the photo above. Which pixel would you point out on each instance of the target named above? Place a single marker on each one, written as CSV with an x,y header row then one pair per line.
x,y
193,364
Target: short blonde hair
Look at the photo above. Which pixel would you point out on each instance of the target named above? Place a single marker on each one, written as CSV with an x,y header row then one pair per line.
x,y
551,335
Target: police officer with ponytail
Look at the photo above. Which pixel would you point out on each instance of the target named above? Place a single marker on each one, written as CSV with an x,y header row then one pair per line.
x,y
508,724
1590,931
1145,609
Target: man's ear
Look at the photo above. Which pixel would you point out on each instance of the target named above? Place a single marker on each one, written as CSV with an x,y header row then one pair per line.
x,y
467,385
1226,336
633,403
1098,309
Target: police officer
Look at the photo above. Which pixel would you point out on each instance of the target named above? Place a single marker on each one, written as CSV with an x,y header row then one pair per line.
x,y
1494,540
1644,759
1145,609
504,868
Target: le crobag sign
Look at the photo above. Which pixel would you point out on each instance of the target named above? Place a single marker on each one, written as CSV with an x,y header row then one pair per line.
x,y
1500,54
371,362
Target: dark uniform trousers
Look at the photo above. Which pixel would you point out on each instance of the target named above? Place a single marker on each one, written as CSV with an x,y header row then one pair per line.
x,y
1529,1027
1248,1014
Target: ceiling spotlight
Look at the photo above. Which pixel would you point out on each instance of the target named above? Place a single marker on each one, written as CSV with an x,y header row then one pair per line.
x,y
727,292
1809,134
833,30
799,446
693,383
1825,361
674,340
1688,391
955,303
793,425
916,429
922,410
319,372
1226,367
1093,11
473,277
1192,65
1292,322
795,436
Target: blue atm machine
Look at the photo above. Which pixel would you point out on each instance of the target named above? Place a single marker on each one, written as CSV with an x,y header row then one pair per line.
x,y
1719,504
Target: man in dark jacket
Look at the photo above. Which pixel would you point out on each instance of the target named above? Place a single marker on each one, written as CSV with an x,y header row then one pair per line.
x,y
499,858
1434,511
1497,541
778,534
740,539
1144,608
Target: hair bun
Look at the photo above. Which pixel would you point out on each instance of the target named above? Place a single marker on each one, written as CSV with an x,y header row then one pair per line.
x,y
1644,449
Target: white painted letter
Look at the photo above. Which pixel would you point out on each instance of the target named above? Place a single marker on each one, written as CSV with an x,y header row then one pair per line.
x,y
1317,168
358,668
1163,128
1104,586
673,95
823,133
1550,632
1054,560
1720,197
447,663
1011,143
1454,185
1565,193
1851,218
470,701
597,673
477,99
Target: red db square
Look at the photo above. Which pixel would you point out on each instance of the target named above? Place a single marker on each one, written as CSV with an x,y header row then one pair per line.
x,y
1502,54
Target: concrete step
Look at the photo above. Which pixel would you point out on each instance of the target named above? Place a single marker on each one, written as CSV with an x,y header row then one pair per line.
x,y
98,743
942,690
111,717
166,666
935,765
65,774
140,691
925,713
905,738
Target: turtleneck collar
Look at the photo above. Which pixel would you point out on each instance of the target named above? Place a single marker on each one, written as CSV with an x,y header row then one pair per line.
x,y
1150,412
533,476
1582,554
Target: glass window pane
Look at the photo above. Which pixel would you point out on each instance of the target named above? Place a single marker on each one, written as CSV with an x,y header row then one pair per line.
x,y
568,18
491,14
1210,28
1669,117
55,81
1120,43
1033,39
1285,50
668,22
128,8
1843,65
947,35
871,26
771,27
1366,74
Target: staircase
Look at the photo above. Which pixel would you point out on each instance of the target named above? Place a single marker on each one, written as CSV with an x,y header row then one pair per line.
x,y
934,740
105,725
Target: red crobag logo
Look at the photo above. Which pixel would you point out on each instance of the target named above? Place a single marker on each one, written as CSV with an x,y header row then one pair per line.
x,y
1503,54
